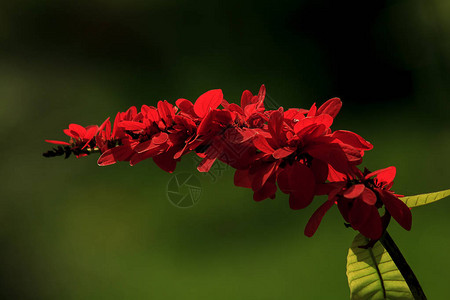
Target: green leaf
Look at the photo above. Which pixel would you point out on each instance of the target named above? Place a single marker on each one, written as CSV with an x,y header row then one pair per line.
x,y
372,274
419,200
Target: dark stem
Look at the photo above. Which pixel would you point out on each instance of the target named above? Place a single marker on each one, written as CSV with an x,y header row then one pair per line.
x,y
402,265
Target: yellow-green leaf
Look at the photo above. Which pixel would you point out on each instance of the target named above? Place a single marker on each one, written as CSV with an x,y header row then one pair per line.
x,y
419,200
372,274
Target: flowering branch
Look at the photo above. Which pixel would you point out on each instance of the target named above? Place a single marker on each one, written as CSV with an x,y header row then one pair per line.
x,y
294,150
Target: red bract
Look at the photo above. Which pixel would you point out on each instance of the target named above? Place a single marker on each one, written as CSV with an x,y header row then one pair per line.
x,y
359,198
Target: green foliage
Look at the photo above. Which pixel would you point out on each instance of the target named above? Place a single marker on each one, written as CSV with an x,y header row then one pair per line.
x,y
372,274
423,199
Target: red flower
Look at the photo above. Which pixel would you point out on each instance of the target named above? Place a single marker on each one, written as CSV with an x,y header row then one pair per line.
x,y
359,198
116,146
81,139
303,151
251,112
209,141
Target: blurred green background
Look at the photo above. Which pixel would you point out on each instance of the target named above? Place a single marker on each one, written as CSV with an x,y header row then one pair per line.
x,y
72,230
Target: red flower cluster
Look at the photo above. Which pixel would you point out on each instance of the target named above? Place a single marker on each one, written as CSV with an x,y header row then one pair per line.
x,y
293,149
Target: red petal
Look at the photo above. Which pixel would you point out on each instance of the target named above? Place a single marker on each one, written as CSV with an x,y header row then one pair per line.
x,y
205,125
352,139
247,134
283,152
238,135
160,138
71,133
166,162
261,96
344,208
165,110
116,123
210,155
130,113
242,178
276,123
181,152
185,106
111,156
301,199
312,111
331,154
57,142
359,213
107,158
222,117
145,146
131,125
206,164
260,174
226,104
320,170
338,188
352,154
369,197
372,227
104,124
386,175
262,144
354,191
334,175
208,101
308,130
236,108
90,134
78,129
152,152
250,109
298,181
397,208
151,114
325,120
268,190
316,218
284,180
331,107
294,114
246,98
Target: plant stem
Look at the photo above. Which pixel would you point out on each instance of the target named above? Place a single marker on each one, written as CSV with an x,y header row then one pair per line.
x,y
402,265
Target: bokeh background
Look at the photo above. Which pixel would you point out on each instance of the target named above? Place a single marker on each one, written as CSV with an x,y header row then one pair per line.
x,y
72,230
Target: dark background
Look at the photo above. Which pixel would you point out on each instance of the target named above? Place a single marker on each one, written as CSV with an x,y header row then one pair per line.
x,y
72,230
